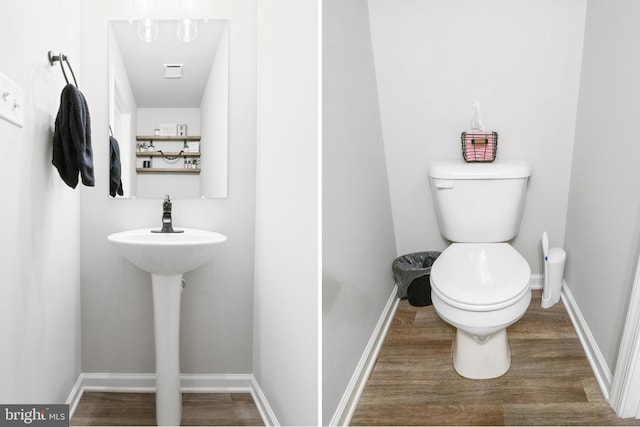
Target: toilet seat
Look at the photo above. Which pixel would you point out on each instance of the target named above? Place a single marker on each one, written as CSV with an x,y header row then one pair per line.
x,y
480,276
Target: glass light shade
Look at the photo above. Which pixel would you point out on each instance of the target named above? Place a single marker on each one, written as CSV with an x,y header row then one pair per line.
x,y
147,30
187,30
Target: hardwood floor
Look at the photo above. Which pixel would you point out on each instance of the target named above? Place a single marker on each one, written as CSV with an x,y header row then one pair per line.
x,y
139,409
550,381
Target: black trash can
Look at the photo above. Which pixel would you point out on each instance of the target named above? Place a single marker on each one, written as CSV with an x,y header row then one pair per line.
x,y
412,274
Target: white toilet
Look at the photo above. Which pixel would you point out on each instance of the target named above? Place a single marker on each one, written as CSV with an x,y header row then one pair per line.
x,y
480,283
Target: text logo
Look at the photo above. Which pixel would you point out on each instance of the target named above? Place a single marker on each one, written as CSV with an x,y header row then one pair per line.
x,y
34,415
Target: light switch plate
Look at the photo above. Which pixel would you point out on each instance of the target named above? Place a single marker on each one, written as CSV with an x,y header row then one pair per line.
x,y
11,102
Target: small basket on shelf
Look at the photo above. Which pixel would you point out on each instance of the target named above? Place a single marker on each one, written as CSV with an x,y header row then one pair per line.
x,y
479,146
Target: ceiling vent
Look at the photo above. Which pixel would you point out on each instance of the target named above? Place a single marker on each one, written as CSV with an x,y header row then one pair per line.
x,y
173,71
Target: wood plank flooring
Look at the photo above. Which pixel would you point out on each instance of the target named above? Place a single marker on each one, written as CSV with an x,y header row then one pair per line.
x,y
550,381
139,409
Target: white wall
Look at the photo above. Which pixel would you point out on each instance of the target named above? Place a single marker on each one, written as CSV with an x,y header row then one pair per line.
x,y
520,59
603,222
217,305
357,229
40,243
285,359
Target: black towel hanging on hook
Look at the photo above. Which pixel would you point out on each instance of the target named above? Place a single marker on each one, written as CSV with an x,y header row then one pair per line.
x,y
72,151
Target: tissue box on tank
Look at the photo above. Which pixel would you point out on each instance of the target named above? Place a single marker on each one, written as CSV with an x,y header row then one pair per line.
x,y
479,146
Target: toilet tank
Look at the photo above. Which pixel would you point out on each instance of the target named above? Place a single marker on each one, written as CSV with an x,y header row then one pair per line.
x,y
479,202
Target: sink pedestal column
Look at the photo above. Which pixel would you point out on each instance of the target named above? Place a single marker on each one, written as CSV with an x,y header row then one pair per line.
x,y
166,315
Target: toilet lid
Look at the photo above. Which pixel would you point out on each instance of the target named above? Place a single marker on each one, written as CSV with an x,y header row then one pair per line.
x,y
480,274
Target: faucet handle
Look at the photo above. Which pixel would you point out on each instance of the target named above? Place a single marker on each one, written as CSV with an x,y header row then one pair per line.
x,y
166,205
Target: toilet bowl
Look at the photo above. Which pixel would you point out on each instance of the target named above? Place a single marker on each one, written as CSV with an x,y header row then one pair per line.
x,y
481,289
480,283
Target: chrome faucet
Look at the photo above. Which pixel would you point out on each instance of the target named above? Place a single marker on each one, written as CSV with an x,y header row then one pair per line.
x,y
167,226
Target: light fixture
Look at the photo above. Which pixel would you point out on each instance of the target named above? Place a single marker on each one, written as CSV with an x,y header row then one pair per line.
x,y
147,30
187,30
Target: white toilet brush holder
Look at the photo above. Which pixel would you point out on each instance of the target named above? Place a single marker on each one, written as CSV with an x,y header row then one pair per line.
x,y
554,260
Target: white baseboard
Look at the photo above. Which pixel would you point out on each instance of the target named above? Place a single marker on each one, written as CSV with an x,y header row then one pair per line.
x,y
74,396
351,396
190,383
267,414
537,281
594,355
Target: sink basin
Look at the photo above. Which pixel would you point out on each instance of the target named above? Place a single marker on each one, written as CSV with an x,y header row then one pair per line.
x,y
167,256
167,253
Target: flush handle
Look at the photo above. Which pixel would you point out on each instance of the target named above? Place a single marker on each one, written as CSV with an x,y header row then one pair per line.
x,y
445,185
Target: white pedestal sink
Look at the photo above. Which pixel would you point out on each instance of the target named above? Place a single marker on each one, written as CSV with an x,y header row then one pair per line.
x,y
167,256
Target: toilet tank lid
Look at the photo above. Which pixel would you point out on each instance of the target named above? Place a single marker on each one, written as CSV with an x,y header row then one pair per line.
x,y
458,169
